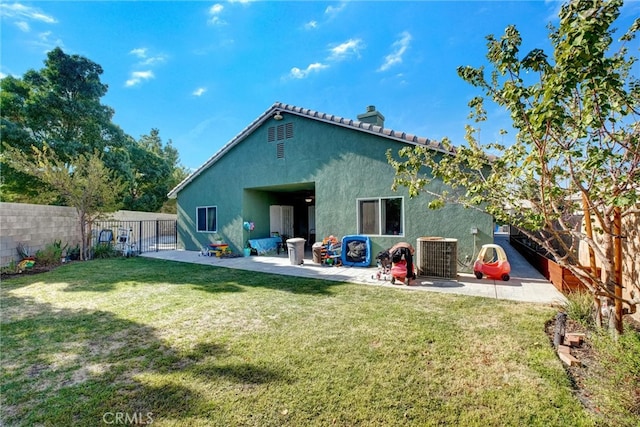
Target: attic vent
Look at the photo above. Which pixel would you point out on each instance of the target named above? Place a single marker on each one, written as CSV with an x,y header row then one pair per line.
x,y
280,132
280,150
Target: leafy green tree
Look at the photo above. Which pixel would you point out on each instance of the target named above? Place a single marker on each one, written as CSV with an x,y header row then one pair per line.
x,y
18,186
577,147
154,167
84,183
60,106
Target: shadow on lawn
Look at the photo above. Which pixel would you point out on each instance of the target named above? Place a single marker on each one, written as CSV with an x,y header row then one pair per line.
x,y
71,367
104,275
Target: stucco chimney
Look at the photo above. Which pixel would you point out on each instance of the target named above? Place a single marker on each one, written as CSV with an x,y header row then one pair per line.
x,y
372,116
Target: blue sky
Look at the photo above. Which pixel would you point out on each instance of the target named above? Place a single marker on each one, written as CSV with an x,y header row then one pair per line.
x,y
201,71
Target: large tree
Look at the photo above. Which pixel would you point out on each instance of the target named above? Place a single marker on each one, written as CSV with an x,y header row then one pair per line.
x,y
60,106
156,170
577,147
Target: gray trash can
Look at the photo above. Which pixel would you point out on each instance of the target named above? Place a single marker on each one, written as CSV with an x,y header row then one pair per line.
x,y
295,247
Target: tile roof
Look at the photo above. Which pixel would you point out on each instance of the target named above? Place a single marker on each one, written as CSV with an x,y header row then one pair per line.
x,y
315,115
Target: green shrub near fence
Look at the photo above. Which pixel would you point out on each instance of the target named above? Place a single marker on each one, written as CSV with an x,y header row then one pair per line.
x,y
51,254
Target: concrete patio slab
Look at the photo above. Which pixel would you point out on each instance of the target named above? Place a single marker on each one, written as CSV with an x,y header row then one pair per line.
x,y
526,283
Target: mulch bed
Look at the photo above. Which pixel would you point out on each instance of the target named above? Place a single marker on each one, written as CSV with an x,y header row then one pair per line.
x,y
36,269
585,354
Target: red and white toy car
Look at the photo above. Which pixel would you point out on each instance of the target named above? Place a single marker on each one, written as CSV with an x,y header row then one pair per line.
x,y
492,262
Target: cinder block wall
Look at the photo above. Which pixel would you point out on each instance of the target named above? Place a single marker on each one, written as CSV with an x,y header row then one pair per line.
x,y
35,226
141,216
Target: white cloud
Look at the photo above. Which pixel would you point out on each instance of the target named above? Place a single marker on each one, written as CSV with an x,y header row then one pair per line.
x,y
140,52
343,50
332,11
297,73
199,92
24,26
336,53
214,14
311,25
400,47
147,60
2,75
46,42
138,77
153,60
22,12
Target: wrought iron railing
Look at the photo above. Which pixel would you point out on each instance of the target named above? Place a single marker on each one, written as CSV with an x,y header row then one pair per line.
x,y
138,236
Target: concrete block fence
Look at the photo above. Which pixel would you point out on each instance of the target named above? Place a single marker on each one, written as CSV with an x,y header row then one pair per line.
x,y
36,226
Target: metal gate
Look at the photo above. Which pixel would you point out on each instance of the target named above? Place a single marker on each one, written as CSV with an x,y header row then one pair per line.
x,y
145,235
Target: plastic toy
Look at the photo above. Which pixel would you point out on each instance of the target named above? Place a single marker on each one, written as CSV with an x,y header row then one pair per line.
x,y
384,270
492,262
399,272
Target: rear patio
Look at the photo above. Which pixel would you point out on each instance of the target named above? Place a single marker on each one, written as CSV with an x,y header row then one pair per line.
x,y
526,283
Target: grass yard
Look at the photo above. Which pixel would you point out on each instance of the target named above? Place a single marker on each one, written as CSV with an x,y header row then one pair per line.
x,y
93,343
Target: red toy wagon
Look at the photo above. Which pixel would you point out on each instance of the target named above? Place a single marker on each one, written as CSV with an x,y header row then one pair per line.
x,y
492,262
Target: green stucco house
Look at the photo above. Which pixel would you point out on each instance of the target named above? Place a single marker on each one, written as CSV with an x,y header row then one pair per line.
x,y
307,174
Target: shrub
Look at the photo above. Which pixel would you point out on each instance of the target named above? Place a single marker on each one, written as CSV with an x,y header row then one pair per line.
x,y
580,307
11,268
105,251
51,254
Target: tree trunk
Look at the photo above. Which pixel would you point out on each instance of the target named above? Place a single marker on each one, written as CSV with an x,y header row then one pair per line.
x,y
617,267
598,313
588,227
83,237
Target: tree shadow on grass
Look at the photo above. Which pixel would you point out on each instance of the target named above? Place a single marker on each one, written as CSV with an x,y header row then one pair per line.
x,y
244,373
74,367
105,274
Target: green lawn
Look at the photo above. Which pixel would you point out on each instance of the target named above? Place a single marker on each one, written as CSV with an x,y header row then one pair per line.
x,y
194,345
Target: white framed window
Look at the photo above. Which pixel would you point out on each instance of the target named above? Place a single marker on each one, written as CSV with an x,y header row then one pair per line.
x,y
381,216
207,219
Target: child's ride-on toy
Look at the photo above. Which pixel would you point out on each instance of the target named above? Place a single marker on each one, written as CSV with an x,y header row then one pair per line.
x,y
492,262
